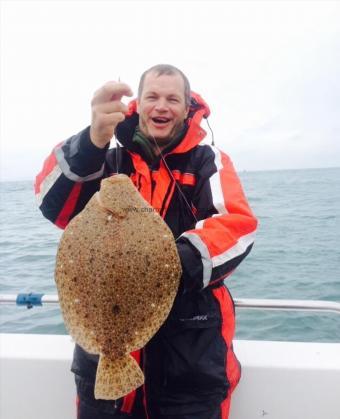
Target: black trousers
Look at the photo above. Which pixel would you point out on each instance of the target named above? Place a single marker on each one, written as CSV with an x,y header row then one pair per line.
x,y
90,412
90,408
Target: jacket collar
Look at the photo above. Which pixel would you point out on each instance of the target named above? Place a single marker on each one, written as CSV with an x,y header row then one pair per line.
x,y
193,136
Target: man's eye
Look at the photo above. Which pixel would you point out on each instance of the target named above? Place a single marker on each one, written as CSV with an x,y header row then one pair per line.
x,y
174,100
151,97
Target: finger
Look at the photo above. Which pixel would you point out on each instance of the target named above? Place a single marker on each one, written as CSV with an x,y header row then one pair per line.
x,y
111,119
110,107
111,91
118,117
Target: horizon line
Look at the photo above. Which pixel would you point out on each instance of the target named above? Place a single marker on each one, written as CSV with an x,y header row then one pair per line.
x,y
240,171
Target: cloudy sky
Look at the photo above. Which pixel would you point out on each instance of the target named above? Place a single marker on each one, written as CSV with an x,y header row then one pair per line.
x,y
270,72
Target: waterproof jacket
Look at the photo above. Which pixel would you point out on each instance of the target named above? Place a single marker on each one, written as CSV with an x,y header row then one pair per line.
x,y
189,364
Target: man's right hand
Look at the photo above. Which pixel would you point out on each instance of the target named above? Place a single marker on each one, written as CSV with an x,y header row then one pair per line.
x,y
107,111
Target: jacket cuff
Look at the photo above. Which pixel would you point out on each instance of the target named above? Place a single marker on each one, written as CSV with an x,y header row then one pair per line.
x,y
82,156
192,269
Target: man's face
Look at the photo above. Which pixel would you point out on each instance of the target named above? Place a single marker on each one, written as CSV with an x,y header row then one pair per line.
x,y
161,107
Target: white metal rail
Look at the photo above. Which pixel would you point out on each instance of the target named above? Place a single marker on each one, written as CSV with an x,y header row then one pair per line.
x,y
290,305
33,299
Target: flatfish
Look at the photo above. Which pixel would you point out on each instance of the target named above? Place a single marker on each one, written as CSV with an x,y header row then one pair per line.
x,y
117,274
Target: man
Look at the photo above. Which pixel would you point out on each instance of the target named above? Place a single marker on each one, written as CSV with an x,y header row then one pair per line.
x,y
189,365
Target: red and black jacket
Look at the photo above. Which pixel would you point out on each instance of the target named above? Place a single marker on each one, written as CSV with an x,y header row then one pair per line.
x,y
212,237
210,249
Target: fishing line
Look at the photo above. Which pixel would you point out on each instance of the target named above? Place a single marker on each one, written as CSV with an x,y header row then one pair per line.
x,y
117,145
117,152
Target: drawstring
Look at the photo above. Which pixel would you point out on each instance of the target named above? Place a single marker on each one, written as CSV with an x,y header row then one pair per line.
x,y
212,133
173,178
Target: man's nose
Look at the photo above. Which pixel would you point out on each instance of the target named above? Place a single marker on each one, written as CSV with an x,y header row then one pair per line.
x,y
161,105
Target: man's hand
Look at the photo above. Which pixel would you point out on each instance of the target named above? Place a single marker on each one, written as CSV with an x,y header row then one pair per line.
x,y
107,111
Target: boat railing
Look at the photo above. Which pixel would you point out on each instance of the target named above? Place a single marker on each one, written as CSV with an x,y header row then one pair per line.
x,y
31,300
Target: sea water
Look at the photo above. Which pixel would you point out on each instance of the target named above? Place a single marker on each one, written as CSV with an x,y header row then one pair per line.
x,y
296,256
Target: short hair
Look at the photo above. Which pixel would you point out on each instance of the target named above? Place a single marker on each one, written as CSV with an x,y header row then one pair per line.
x,y
170,70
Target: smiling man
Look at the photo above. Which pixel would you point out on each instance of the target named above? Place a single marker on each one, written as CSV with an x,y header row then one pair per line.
x,y
189,365
163,105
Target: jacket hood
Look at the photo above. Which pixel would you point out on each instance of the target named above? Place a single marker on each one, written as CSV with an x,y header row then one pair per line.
x,y
193,136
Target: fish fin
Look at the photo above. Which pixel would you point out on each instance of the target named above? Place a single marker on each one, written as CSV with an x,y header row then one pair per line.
x,y
116,378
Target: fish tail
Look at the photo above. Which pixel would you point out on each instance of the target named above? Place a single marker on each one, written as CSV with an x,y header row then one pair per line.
x,y
117,377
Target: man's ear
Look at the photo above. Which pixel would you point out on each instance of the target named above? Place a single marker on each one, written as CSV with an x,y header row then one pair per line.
x,y
137,106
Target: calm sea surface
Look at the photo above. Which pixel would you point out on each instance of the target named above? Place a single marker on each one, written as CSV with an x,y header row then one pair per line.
x,y
296,255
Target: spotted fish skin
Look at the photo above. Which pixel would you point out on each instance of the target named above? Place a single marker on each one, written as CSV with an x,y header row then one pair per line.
x,y
117,274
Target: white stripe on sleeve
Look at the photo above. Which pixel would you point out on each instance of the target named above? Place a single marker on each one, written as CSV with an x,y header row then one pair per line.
x,y
237,250
65,167
47,183
215,184
196,241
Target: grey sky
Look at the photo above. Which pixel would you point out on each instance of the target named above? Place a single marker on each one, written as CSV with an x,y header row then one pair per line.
x,y
269,71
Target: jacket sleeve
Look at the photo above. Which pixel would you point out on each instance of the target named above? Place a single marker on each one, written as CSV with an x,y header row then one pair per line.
x,y
70,176
225,232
